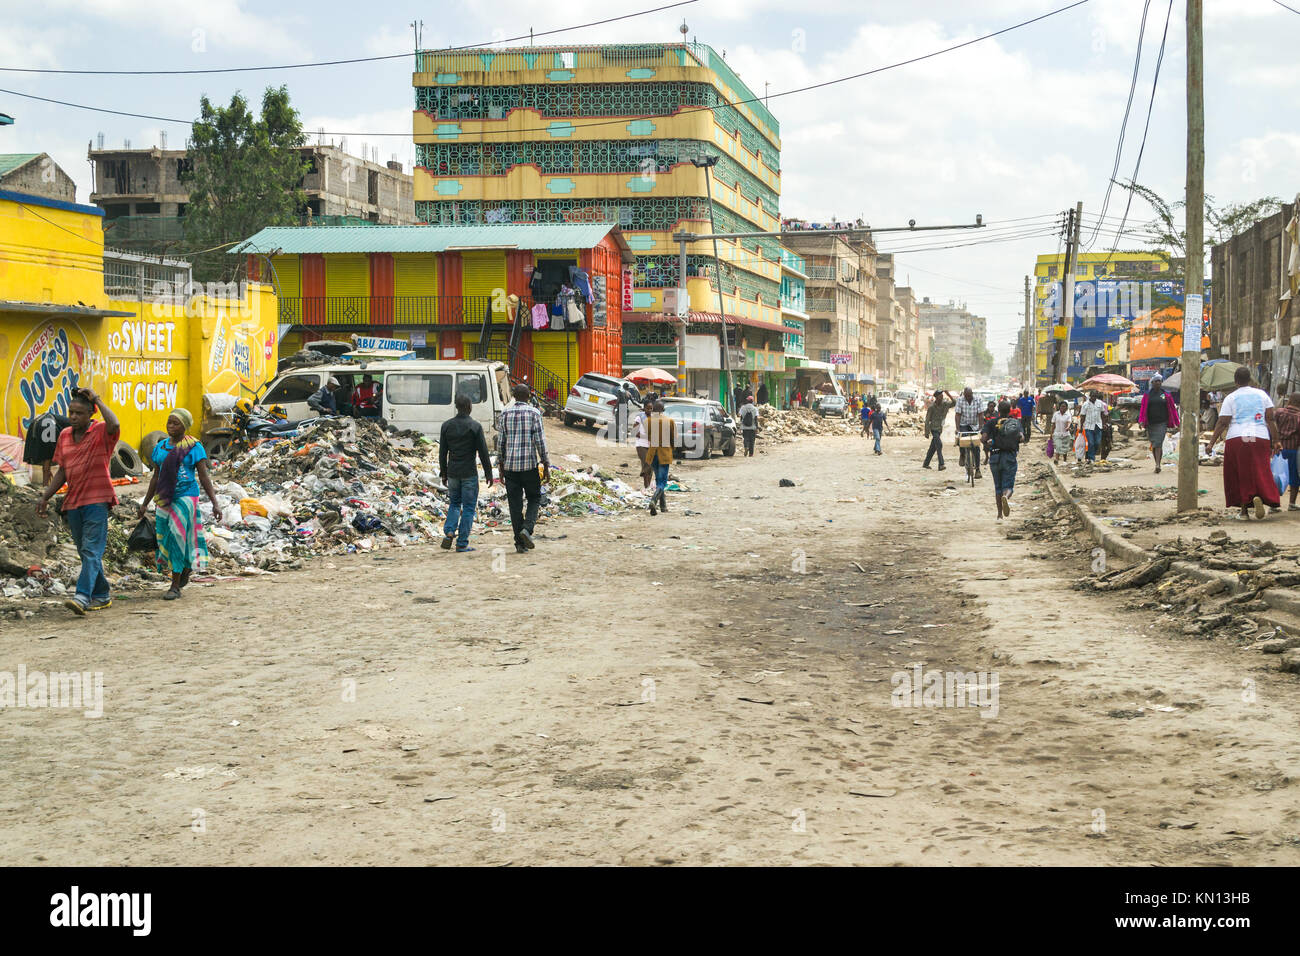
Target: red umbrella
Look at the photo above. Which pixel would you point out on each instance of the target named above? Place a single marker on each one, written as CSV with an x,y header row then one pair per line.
x,y
655,376
1108,381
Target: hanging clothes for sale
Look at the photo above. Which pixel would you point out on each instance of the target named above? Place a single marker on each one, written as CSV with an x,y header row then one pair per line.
x,y
541,319
535,283
580,282
575,314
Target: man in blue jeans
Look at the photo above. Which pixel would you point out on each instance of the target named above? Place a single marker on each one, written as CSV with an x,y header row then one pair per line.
x,y
460,440
82,453
1095,415
1002,438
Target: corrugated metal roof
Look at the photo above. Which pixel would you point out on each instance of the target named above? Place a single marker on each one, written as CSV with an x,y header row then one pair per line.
x,y
11,161
291,240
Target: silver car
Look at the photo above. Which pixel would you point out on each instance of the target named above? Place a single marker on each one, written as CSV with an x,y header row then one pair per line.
x,y
593,399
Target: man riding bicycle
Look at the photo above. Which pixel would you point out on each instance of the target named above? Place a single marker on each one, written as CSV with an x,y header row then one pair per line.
x,y
968,421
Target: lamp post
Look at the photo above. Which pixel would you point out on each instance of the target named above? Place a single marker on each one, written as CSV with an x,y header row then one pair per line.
x,y
706,163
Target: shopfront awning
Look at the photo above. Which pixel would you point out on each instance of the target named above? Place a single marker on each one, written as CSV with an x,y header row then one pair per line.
x,y
49,308
705,318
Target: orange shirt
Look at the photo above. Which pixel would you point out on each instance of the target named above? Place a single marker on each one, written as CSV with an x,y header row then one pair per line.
x,y
85,463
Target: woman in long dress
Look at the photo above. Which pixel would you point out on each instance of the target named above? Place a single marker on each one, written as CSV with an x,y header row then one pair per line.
x,y
1247,415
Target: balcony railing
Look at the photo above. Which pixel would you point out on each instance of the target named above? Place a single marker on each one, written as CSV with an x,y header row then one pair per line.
x,y
423,310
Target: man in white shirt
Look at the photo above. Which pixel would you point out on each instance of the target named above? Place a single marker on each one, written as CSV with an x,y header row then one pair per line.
x,y
1247,415
1095,415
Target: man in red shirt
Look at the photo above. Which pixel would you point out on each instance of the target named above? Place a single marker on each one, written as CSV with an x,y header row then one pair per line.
x,y
365,399
82,454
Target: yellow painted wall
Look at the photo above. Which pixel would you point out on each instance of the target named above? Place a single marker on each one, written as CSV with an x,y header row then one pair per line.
x,y
161,355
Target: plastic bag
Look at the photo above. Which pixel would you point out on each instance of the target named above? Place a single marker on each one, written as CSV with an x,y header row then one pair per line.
x,y
1281,473
251,506
1051,448
1080,445
143,537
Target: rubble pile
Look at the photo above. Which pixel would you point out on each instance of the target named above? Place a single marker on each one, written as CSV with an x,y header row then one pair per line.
x,y
337,486
1268,565
1099,499
903,423
776,424
1085,469
1207,610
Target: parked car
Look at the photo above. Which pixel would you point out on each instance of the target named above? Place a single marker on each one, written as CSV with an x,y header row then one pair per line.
x,y
593,397
702,427
833,405
891,406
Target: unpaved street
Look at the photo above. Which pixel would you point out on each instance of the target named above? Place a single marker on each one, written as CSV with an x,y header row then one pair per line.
x,y
586,703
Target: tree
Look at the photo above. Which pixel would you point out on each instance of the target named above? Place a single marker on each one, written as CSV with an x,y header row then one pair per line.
x,y
946,370
1166,237
245,174
981,359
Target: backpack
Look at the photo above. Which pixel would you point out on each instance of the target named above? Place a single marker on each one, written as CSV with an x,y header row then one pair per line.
x,y
1006,435
747,419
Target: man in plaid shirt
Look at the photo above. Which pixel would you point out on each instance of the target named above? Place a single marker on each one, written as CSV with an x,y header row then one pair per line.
x,y
523,445
969,410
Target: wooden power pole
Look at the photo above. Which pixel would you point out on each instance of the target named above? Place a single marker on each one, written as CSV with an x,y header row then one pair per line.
x,y
1067,292
1031,344
1194,268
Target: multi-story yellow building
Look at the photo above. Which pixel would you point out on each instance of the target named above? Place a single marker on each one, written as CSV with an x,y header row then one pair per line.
x,y
1110,290
613,133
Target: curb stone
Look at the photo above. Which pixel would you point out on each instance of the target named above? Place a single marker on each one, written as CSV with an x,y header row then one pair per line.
x,y
1286,600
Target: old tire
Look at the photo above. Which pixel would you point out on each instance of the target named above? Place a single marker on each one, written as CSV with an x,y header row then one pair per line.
x,y
146,446
218,446
125,462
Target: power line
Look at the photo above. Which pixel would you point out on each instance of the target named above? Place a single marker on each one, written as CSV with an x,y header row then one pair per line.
x,y
1155,80
622,119
359,59
1285,7
1123,126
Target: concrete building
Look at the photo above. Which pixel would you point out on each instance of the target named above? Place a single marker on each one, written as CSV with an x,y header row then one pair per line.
x,y
144,197
956,331
841,305
612,133
910,337
1109,292
36,174
1254,283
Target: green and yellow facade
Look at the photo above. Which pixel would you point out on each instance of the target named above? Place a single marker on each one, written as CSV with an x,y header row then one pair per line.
x,y
607,134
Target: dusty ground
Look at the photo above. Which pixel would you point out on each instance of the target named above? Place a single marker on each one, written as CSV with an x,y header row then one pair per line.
x,y
586,703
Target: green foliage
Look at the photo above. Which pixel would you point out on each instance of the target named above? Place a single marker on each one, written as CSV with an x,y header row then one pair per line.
x,y
1166,236
245,175
946,370
981,359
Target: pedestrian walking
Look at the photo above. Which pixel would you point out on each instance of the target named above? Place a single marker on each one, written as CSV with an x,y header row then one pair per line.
x,y
1158,415
1095,415
81,455
865,416
460,440
762,393
878,416
663,439
1288,433
180,468
1248,417
1026,405
748,416
1003,437
641,441
990,414
935,416
738,397
969,415
1062,439
523,446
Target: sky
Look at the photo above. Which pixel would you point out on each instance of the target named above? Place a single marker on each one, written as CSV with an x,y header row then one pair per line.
x,y
1016,128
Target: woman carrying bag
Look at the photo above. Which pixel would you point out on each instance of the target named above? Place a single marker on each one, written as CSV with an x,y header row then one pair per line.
x,y
180,466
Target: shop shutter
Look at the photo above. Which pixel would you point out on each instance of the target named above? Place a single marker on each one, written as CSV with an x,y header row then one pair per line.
x,y
415,284
482,274
288,281
347,290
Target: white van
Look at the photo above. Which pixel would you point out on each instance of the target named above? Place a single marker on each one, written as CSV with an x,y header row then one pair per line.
x,y
414,393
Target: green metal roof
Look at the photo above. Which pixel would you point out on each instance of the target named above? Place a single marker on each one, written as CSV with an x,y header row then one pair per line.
x,y
297,240
11,161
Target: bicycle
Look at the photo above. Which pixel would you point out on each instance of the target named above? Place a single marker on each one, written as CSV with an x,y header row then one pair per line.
x,y
971,442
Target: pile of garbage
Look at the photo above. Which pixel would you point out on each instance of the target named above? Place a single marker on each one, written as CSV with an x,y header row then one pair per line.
x,y
905,423
336,486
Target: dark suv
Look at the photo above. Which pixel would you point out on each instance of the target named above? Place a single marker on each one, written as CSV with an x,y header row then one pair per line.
x,y
702,427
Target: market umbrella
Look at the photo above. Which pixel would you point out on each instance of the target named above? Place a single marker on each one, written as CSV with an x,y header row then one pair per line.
x,y
655,376
1215,375
1107,381
1063,390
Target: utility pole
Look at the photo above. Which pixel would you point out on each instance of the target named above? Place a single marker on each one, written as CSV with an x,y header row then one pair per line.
x,y
1067,291
1031,344
707,163
1189,393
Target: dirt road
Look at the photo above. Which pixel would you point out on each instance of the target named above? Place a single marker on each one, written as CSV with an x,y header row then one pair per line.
x,y
715,685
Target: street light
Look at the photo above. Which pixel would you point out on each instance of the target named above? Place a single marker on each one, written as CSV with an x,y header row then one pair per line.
x,y
706,163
